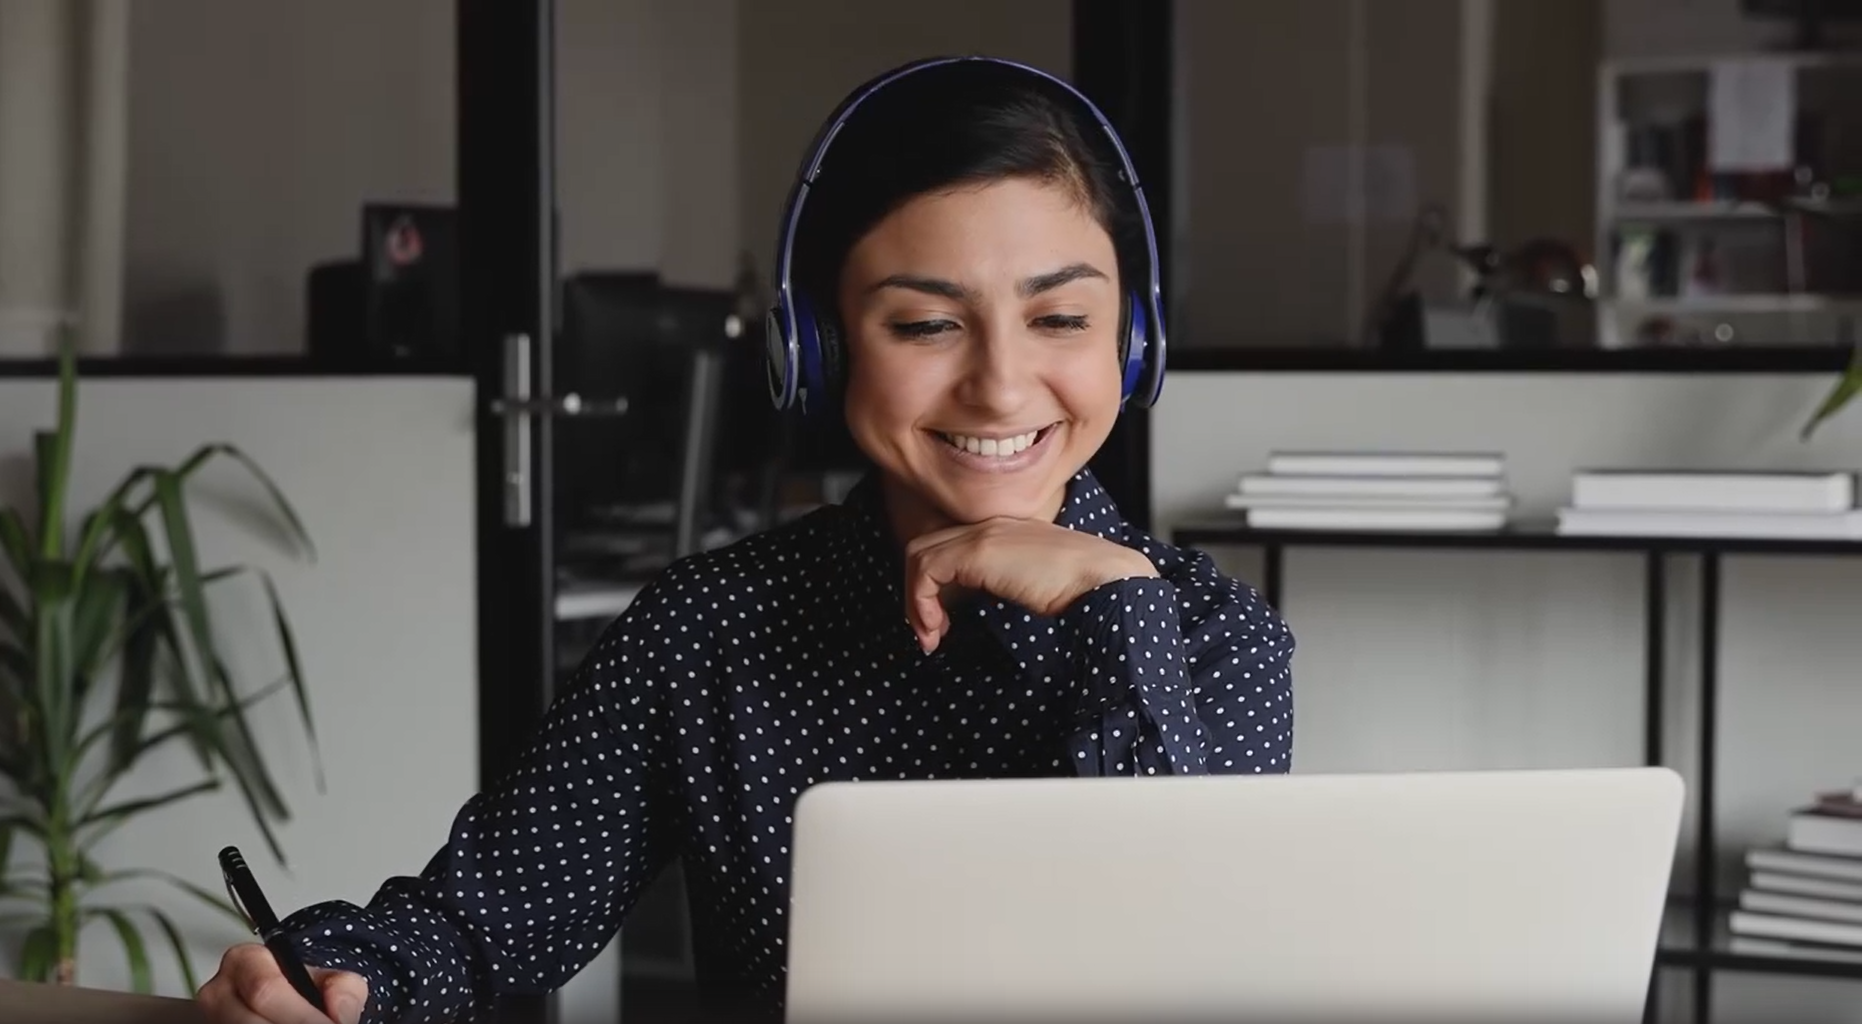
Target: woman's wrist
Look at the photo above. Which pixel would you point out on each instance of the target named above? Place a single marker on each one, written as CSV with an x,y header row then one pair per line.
x,y
1124,564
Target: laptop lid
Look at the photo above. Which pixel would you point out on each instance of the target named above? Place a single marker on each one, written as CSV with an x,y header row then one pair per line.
x,y
1445,896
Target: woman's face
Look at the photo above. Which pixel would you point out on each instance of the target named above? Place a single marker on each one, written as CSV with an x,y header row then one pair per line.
x,y
982,339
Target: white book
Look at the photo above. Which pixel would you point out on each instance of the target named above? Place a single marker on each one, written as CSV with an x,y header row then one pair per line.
x,y
1366,502
1843,869
1666,523
1803,885
1771,926
1267,484
1745,945
1375,519
1719,491
1372,463
1800,906
1824,833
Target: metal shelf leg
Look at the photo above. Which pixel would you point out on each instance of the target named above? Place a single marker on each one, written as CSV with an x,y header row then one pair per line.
x,y
1706,910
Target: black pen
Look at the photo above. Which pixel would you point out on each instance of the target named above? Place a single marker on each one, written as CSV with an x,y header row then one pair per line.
x,y
258,913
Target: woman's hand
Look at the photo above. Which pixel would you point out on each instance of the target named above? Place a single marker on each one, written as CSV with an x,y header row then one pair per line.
x,y
251,989
1041,566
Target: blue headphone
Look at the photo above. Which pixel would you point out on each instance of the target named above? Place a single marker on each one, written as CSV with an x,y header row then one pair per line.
x,y
803,357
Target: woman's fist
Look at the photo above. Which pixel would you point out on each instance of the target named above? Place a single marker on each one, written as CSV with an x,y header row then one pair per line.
x,y
251,989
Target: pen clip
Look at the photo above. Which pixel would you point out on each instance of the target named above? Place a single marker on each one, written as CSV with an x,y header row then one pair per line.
x,y
232,894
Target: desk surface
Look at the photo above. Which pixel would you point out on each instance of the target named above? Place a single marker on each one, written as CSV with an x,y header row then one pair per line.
x,y
26,1003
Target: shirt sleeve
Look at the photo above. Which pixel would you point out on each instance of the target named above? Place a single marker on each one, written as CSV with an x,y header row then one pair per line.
x,y
537,872
1187,673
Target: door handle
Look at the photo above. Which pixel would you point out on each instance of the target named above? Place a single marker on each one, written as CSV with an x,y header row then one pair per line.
x,y
570,404
518,407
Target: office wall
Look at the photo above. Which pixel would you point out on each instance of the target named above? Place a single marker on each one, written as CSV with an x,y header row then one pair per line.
x,y
381,470
797,59
1285,244
1418,659
256,131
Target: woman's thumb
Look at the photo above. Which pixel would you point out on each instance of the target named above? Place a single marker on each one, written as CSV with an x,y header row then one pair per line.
x,y
344,994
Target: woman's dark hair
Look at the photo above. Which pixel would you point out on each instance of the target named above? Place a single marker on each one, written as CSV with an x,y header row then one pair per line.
x,y
964,123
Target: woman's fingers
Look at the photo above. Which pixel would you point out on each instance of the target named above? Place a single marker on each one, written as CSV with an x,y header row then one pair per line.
x,y
344,993
250,988
930,570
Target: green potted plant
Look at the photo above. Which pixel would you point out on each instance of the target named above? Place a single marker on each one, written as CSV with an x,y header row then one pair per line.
x,y
107,653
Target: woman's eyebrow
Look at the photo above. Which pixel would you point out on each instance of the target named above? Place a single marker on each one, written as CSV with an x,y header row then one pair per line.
x,y
1028,287
927,285
1039,283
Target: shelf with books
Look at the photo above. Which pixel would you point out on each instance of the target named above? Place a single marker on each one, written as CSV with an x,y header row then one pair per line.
x,y
1723,950
1702,943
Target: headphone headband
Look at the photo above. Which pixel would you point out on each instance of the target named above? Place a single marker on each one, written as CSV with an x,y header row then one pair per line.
x,y
792,337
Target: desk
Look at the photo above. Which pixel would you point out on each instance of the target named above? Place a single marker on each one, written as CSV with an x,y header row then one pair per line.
x,y
26,1003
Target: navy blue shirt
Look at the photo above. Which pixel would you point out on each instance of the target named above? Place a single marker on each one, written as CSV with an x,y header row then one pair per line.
x,y
742,676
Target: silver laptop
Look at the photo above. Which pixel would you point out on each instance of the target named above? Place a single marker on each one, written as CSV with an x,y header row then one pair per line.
x,y
1444,896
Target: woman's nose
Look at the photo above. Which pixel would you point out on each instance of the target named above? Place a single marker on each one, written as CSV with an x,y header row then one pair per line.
x,y
997,371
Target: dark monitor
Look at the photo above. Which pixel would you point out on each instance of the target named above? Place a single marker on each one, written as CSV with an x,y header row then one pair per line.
x,y
628,335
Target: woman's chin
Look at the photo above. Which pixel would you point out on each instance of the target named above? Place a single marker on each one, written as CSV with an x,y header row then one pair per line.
x,y
1027,500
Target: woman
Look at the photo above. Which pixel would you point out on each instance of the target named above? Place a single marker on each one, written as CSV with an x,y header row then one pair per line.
x,y
980,274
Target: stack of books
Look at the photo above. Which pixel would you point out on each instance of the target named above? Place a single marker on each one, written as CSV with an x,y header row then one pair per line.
x,y
1674,503
1376,491
1804,897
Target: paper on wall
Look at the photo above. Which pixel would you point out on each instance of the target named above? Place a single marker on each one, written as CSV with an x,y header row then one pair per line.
x,y
1751,113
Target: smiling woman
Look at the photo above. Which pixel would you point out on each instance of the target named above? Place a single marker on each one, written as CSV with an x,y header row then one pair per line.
x,y
974,298
981,376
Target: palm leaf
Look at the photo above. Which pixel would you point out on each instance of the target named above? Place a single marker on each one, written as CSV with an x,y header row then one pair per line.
x,y
142,745
140,553
177,945
279,503
135,683
1840,394
99,538
294,673
236,744
15,541
116,814
13,615
140,978
206,896
95,610
205,454
38,955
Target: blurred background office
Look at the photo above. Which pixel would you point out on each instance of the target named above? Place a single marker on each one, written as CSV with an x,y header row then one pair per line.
x,y
482,283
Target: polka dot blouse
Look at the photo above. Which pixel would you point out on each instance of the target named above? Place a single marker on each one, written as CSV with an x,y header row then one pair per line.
x,y
746,674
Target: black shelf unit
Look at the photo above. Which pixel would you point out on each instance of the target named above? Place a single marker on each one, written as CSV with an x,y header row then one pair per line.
x,y
1691,941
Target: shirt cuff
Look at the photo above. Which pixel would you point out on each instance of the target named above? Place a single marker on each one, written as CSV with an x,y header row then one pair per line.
x,y
1129,655
317,933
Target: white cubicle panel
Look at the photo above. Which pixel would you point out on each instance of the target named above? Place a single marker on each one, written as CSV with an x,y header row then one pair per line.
x,y
381,470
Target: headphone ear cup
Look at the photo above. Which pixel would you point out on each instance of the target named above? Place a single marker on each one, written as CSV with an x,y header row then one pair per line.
x,y
1133,341
808,329
833,363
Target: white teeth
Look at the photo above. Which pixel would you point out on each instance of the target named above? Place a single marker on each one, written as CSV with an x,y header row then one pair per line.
x,y
990,446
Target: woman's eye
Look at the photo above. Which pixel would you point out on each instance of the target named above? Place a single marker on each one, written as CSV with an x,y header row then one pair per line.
x,y
922,328
1062,322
